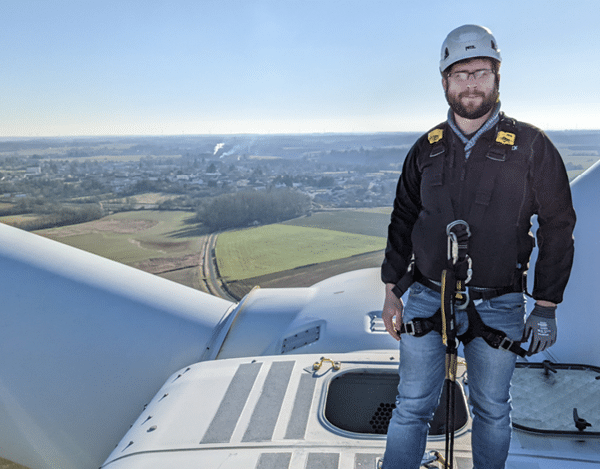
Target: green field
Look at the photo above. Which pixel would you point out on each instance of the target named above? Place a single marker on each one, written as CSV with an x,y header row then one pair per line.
x,y
133,237
169,243
370,222
274,248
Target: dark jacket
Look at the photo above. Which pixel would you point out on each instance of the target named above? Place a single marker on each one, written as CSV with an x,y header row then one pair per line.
x,y
532,181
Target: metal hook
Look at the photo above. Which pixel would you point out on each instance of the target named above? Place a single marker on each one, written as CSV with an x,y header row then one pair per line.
x,y
335,365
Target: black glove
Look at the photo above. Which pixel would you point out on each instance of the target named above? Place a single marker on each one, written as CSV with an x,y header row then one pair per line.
x,y
542,321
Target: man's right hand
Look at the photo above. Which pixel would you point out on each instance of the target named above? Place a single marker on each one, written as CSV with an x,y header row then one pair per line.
x,y
392,312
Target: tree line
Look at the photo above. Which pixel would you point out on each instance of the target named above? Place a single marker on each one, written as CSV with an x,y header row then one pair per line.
x,y
51,215
245,208
225,211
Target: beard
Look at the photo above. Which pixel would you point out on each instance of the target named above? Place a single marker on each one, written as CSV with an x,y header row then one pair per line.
x,y
472,111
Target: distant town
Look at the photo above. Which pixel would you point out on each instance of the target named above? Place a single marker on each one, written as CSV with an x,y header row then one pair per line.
x,y
55,181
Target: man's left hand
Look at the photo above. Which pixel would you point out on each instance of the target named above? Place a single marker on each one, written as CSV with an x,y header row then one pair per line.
x,y
542,323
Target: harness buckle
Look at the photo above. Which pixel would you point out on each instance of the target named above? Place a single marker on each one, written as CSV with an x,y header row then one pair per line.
x,y
506,344
418,327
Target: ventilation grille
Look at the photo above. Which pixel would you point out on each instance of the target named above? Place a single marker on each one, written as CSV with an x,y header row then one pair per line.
x,y
381,418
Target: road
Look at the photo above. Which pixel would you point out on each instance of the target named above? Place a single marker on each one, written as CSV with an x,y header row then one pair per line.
x,y
210,271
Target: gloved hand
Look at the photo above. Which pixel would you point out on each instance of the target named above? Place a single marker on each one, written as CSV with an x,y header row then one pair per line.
x,y
542,322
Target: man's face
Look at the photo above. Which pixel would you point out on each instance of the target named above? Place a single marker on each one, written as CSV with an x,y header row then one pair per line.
x,y
475,96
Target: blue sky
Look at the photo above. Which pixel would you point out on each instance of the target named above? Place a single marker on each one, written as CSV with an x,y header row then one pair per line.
x,y
87,67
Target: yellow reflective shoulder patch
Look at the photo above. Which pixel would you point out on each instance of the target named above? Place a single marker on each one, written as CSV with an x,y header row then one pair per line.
x,y
506,138
435,135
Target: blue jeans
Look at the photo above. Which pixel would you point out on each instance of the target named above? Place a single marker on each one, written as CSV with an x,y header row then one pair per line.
x,y
422,373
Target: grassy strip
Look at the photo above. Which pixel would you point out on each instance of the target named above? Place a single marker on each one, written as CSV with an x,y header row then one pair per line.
x,y
132,237
273,248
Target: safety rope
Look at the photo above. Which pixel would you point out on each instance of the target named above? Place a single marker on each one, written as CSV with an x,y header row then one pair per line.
x,y
449,337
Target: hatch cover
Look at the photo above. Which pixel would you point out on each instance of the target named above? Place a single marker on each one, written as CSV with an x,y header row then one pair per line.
x,y
561,399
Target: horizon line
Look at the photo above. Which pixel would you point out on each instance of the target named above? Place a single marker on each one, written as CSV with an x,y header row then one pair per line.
x,y
232,134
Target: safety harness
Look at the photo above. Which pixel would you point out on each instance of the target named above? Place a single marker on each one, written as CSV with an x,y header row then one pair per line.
x,y
459,272
453,286
495,338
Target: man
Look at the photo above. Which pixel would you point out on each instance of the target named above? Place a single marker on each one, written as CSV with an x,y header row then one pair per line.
x,y
486,174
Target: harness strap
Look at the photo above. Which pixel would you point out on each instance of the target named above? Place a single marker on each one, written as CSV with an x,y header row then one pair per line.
x,y
496,155
438,153
447,313
495,338
495,158
419,327
406,281
474,292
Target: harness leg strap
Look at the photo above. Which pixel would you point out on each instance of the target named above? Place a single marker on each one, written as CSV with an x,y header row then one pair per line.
x,y
495,338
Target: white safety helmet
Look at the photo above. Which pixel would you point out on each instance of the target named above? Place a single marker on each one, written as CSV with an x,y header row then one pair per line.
x,y
467,42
